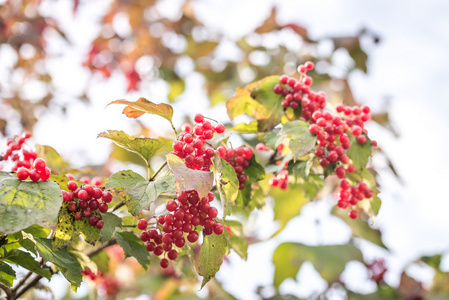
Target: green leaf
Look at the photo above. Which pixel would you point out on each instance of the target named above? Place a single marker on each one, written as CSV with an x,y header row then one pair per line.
x,y
91,234
245,128
67,264
187,179
213,249
258,100
329,260
24,203
53,159
7,274
27,236
146,148
142,194
24,259
287,203
360,228
301,141
141,106
123,179
133,246
273,138
237,240
62,181
358,153
111,222
302,168
227,183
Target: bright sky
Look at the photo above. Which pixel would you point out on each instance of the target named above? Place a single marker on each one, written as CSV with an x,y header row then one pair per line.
x,y
409,66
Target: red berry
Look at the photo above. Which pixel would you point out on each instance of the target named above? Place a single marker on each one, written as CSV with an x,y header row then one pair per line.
x,y
180,242
87,212
150,246
177,146
144,237
356,130
309,65
72,206
142,224
35,176
22,173
218,228
103,207
247,152
72,185
361,139
78,215
82,195
172,205
351,168
198,118
164,263
97,193
45,174
107,197
93,204
39,164
366,109
158,251
192,236
219,128
353,214
93,219
172,254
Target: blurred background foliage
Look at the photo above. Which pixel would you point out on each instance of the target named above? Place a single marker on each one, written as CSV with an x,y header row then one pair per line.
x,y
137,39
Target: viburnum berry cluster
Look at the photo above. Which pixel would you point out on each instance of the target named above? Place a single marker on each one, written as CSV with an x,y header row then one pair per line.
x,y
97,181
26,163
280,180
239,160
108,284
191,145
86,201
333,132
186,214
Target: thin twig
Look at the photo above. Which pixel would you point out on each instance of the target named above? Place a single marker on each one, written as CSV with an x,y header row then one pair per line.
x,y
99,249
114,208
174,130
158,171
28,286
7,290
21,282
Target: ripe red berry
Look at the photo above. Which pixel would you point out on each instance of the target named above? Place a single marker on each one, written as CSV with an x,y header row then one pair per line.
x,y
340,172
172,205
192,236
82,195
351,168
218,228
172,254
87,212
361,139
164,263
353,214
107,197
39,164
78,215
103,207
72,206
22,173
309,65
35,176
142,224
144,237
177,146
93,219
158,251
198,118
219,128
72,185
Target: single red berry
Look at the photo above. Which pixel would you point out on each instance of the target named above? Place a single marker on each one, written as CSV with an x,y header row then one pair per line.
x,y
344,184
356,130
82,195
192,236
103,207
340,172
72,206
72,185
309,65
39,164
158,251
100,224
78,215
87,212
94,204
150,246
45,174
219,128
93,219
353,214
361,139
107,197
247,152
366,109
172,205
144,237
23,173
198,118
164,263
35,175
350,168
172,254
218,228
142,224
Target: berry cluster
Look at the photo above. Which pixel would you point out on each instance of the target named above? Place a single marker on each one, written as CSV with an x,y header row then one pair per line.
x,y
85,201
239,159
297,93
191,144
26,163
280,180
185,213
332,131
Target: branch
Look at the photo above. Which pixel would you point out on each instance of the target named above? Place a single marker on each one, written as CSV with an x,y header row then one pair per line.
x,y
158,171
7,290
117,206
99,249
21,282
28,286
